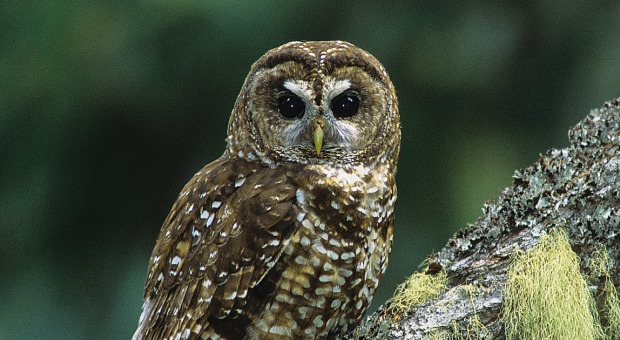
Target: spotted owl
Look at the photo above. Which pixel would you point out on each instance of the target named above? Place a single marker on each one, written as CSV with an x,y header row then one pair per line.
x,y
287,234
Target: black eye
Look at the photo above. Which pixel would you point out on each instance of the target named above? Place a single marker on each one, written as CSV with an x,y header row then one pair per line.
x,y
345,106
291,106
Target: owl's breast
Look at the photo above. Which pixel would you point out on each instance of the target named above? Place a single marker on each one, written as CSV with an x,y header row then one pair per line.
x,y
350,198
332,265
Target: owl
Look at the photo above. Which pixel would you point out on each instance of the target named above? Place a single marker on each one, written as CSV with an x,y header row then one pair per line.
x,y
288,233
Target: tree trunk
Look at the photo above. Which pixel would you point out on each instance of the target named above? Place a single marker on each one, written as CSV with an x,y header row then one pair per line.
x,y
575,191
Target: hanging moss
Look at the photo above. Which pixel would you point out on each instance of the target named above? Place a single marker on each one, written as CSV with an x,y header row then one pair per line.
x,y
546,297
607,296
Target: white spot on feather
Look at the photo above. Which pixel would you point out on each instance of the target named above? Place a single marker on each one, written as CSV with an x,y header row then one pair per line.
x,y
210,220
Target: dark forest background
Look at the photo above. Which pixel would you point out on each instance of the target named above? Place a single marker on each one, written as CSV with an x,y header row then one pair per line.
x,y
107,108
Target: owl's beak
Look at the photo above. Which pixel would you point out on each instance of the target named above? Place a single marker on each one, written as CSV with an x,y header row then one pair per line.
x,y
319,133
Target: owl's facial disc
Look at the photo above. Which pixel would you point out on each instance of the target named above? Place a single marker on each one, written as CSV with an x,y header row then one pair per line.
x,y
300,114
323,126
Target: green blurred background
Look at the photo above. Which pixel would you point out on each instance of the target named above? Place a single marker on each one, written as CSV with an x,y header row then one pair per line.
x,y
107,108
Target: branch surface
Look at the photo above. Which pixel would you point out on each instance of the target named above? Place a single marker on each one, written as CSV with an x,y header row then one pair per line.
x,y
577,189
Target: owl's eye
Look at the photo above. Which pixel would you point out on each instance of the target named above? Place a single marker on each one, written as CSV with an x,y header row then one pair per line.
x,y
345,106
291,106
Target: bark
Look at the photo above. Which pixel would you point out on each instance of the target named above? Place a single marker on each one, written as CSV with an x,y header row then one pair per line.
x,y
577,189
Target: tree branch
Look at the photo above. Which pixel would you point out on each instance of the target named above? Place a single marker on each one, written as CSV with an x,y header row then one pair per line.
x,y
576,190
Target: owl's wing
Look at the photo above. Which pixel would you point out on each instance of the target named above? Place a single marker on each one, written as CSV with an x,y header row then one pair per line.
x,y
228,227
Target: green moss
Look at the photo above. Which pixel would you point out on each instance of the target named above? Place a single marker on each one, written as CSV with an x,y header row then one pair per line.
x,y
609,305
418,289
546,297
473,328
437,336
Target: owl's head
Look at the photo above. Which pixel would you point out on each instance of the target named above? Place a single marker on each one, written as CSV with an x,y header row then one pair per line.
x,y
316,102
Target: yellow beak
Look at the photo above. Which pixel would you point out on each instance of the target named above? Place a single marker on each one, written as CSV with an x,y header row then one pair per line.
x,y
319,133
